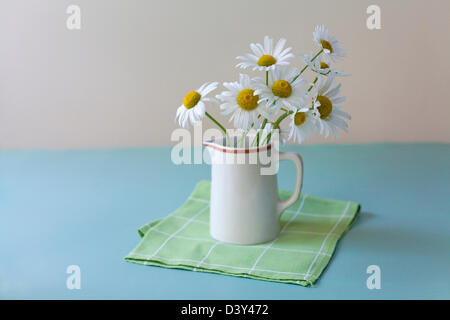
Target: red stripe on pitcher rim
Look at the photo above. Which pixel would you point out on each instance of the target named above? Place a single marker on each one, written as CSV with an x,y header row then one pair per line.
x,y
233,150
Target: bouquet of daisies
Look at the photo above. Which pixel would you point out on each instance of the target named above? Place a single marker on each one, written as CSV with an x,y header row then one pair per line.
x,y
263,103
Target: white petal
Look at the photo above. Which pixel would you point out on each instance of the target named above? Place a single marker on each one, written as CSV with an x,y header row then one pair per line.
x,y
199,90
279,46
210,87
338,100
256,50
267,47
333,92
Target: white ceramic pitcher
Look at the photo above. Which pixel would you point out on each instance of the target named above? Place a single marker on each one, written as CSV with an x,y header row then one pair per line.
x,y
245,206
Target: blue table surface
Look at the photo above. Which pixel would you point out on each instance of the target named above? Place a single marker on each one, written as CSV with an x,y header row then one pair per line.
x,y
83,207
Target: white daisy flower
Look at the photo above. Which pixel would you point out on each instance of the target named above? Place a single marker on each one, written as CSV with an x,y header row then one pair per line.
x,y
193,108
265,58
242,101
325,107
302,125
284,89
321,65
331,47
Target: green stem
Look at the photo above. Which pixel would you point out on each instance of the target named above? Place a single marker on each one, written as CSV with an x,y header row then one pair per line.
x,y
263,125
243,137
306,67
315,80
216,122
287,113
277,124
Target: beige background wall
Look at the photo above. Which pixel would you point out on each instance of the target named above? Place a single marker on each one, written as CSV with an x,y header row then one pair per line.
x,y
119,80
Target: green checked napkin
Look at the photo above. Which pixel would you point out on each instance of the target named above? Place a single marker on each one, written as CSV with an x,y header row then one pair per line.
x,y
310,230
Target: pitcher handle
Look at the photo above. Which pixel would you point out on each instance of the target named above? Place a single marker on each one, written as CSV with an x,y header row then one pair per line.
x,y
297,159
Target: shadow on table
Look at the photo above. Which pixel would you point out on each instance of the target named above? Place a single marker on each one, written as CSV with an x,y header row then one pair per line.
x,y
387,239
395,241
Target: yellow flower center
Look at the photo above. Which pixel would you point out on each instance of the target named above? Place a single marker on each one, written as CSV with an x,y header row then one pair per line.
x,y
281,88
247,100
323,65
266,60
191,99
299,118
326,45
325,106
